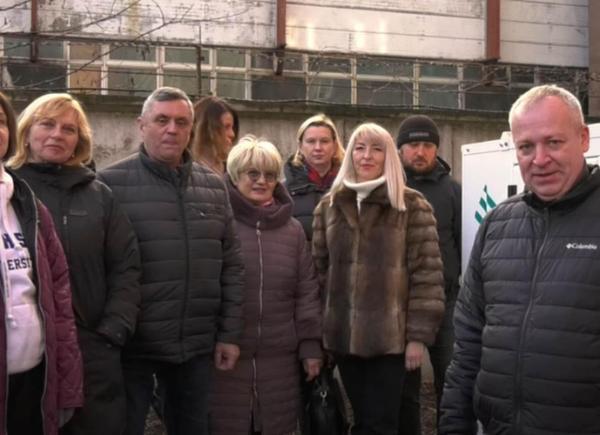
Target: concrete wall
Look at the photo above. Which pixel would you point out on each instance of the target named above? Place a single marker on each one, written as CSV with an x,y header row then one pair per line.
x,y
544,32
116,134
224,22
412,28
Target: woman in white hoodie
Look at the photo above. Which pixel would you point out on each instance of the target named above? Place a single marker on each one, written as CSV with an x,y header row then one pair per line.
x,y
41,371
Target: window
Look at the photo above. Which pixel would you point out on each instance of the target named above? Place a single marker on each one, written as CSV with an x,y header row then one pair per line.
x,y
145,53
230,85
21,47
262,60
492,98
438,71
37,76
188,82
86,80
180,55
131,81
82,51
438,96
232,58
328,64
384,67
384,93
278,88
330,90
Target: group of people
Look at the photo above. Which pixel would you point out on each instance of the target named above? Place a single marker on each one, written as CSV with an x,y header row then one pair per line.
x,y
204,274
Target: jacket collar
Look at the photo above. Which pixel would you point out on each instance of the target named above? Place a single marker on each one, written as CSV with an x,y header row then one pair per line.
x,y
345,199
296,178
178,176
61,176
265,218
588,182
441,168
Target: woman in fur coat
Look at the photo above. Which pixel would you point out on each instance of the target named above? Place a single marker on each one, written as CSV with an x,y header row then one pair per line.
x,y
375,247
282,309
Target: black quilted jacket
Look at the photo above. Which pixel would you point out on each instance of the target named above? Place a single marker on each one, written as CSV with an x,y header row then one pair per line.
x,y
192,270
527,320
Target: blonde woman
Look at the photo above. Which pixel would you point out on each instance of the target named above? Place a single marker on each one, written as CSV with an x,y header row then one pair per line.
x,y
282,309
54,146
41,380
310,172
375,247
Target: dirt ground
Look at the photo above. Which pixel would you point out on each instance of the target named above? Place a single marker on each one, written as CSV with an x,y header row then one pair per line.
x,y
155,427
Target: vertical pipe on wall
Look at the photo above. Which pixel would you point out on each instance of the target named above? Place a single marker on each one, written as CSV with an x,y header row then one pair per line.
x,y
281,40
33,48
281,23
492,30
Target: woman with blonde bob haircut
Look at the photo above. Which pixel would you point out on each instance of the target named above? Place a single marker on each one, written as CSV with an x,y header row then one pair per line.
x,y
54,145
48,107
313,167
282,309
375,248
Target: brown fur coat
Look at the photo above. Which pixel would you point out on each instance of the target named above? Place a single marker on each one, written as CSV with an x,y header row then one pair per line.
x,y
382,273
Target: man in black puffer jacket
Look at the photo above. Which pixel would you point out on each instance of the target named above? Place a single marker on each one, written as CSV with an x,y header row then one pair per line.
x,y
192,269
527,320
418,143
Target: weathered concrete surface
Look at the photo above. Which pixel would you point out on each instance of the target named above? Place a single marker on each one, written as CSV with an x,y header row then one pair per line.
x,y
116,135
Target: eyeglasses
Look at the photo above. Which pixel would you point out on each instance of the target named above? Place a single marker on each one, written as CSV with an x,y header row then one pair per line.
x,y
254,175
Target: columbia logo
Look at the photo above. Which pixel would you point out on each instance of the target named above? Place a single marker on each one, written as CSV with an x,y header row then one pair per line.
x,y
588,246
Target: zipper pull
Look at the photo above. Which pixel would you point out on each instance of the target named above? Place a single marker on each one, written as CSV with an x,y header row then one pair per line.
x,y
258,228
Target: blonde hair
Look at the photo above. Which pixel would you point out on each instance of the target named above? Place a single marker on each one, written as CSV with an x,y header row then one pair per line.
x,y
320,120
538,93
50,106
251,152
392,168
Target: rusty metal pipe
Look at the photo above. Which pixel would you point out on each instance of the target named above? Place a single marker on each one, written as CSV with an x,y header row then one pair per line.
x,y
492,30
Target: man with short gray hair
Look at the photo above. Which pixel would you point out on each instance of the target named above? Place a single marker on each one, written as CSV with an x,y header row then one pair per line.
x,y
192,270
527,319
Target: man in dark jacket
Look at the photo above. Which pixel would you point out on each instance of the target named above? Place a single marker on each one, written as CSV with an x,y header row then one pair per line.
x,y
418,142
191,269
527,319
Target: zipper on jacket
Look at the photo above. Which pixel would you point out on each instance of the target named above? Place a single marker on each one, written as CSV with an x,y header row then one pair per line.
x,y
524,327
187,268
254,401
65,225
261,280
260,314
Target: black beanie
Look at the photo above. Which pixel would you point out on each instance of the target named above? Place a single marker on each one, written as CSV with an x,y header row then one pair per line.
x,y
418,128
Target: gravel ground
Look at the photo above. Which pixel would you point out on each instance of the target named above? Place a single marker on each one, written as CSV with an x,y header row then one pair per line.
x,y
155,427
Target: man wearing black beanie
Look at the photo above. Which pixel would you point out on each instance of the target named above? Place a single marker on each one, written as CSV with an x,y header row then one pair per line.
x,y
418,143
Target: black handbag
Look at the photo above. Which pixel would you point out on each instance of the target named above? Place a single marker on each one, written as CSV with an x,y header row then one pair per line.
x,y
324,409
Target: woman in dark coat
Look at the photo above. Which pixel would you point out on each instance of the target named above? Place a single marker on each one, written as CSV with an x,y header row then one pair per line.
x,y
313,167
40,371
53,148
282,310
